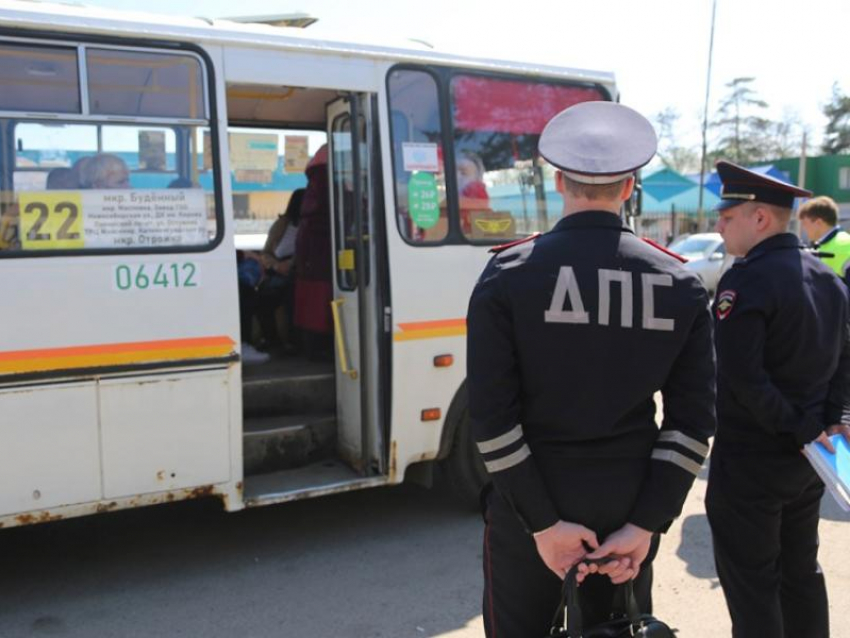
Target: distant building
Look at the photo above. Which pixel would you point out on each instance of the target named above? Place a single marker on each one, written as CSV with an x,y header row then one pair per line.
x,y
670,205
825,175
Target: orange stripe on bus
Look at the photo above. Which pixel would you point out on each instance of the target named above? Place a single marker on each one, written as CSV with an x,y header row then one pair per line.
x,y
119,358
433,325
416,330
415,335
119,348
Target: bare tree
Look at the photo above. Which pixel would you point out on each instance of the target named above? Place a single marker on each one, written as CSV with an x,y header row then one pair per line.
x,y
679,158
786,136
837,135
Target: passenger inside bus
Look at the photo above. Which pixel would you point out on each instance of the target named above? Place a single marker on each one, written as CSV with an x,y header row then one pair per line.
x,y
275,286
104,171
249,273
472,192
79,167
62,179
313,266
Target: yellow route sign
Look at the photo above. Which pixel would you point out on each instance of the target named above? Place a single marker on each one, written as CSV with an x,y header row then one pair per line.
x,y
51,220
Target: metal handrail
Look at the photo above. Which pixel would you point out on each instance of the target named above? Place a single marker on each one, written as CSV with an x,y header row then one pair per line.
x,y
340,340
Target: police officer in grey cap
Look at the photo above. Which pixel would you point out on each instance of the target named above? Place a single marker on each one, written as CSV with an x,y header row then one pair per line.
x,y
570,334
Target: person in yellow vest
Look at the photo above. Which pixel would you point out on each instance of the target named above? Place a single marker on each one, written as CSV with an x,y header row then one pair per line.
x,y
819,218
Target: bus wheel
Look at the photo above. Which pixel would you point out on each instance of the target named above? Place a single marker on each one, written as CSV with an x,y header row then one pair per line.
x,y
464,466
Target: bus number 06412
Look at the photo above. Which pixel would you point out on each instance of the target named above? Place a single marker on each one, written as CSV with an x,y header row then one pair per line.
x,y
147,276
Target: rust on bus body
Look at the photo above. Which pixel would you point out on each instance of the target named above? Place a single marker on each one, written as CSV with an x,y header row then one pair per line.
x,y
46,516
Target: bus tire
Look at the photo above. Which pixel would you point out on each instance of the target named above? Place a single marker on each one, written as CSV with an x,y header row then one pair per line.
x,y
464,466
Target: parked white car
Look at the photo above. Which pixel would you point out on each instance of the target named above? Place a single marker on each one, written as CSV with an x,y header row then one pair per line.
x,y
706,255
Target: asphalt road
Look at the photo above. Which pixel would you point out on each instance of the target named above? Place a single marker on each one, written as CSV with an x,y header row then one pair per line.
x,y
388,562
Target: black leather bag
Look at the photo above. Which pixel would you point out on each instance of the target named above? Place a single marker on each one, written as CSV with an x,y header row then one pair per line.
x,y
626,620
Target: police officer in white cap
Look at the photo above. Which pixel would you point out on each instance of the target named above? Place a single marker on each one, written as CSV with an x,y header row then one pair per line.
x,y
570,335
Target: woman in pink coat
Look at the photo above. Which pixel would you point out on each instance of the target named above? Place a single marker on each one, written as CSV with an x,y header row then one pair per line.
x,y
313,264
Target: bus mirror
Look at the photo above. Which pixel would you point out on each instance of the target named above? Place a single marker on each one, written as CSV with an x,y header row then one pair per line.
x,y
634,204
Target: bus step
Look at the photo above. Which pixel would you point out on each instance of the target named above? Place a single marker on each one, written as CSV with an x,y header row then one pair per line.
x,y
315,479
289,394
285,442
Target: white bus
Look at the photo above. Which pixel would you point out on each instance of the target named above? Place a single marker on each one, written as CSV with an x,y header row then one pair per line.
x,y
121,382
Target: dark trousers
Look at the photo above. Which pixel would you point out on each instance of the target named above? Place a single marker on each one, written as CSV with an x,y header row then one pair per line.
x,y
521,594
764,516
275,291
262,303
247,310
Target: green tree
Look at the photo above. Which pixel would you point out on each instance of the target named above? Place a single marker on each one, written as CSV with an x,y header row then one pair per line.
x,y
744,132
679,158
837,135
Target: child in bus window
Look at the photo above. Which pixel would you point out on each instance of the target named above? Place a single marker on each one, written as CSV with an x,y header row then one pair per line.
x,y
472,192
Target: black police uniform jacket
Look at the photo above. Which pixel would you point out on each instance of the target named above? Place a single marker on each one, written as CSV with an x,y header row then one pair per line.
x,y
569,336
783,349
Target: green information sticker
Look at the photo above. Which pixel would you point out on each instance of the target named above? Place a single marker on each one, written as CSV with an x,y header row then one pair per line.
x,y
423,200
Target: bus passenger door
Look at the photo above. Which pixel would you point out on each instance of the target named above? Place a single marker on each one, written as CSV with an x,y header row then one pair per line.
x,y
355,307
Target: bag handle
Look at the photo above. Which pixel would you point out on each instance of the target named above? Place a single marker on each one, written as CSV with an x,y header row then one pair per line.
x,y
569,609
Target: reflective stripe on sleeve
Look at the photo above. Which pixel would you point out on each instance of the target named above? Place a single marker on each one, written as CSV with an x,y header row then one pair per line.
x,y
671,456
515,458
674,436
515,434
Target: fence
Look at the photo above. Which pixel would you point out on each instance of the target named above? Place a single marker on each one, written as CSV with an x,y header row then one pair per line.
x,y
663,227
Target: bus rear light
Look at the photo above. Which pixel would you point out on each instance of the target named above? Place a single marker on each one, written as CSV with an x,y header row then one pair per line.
x,y
444,361
431,414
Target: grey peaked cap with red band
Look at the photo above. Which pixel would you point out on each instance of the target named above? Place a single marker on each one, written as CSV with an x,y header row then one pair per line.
x,y
598,142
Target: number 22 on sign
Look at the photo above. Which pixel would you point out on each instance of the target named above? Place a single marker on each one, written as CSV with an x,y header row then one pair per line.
x,y
50,221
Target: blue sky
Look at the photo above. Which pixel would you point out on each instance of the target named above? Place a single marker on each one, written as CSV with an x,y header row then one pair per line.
x,y
658,49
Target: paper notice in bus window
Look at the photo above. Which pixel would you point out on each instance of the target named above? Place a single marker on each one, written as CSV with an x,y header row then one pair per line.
x,y
152,150
420,157
296,153
253,177
253,151
207,151
145,218
112,219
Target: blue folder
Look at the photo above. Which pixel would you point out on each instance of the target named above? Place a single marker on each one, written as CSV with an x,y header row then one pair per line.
x,y
833,469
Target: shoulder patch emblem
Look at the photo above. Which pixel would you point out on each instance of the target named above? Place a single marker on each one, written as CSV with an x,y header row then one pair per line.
x,y
725,302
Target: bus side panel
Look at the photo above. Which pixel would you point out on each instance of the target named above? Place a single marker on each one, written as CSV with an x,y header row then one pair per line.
x,y
164,433
49,452
430,288
232,493
151,439
264,66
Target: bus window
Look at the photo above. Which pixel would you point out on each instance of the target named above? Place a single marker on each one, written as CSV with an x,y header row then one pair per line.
x,y
86,183
420,185
504,189
142,84
45,79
